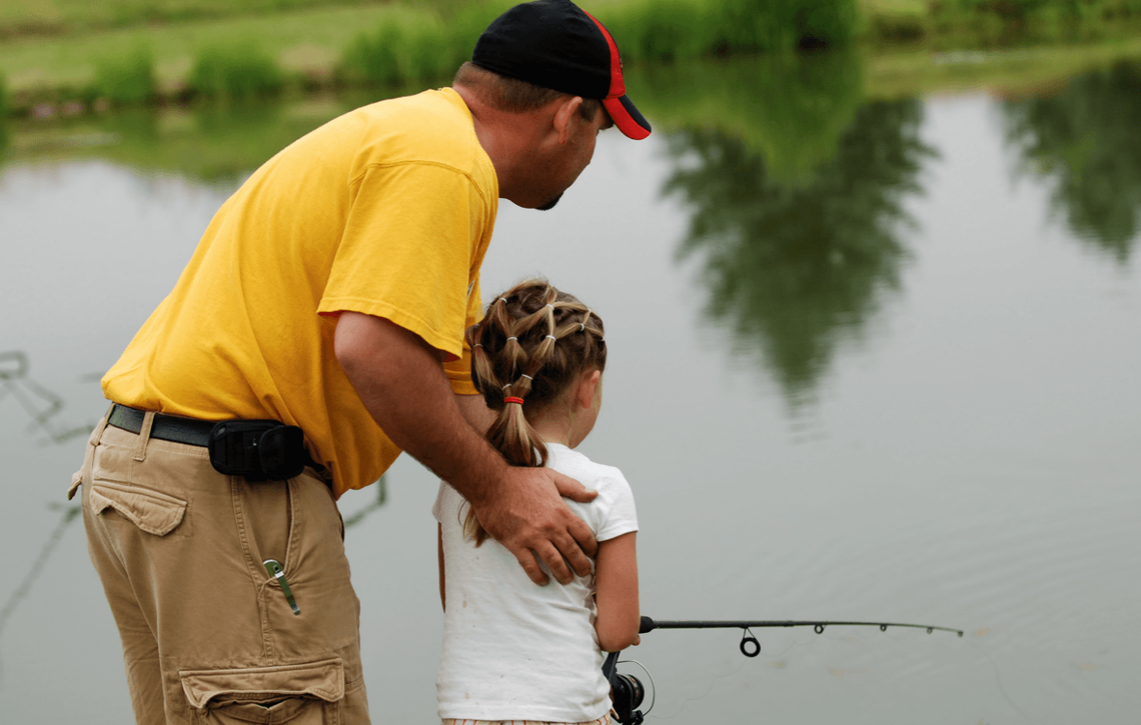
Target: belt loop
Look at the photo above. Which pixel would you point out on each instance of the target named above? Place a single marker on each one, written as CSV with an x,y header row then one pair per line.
x,y
144,436
98,434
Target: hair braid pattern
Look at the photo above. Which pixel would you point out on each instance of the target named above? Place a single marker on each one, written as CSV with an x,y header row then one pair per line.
x,y
533,343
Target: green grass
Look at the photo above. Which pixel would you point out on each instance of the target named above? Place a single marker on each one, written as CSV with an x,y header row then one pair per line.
x,y
302,45
22,18
381,44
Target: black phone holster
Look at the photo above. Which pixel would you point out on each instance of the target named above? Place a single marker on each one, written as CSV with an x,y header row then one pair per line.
x,y
258,450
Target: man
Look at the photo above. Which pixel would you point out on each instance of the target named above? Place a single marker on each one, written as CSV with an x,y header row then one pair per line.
x,y
300,352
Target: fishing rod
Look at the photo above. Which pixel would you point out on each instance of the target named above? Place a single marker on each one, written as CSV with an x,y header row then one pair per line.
x,y
627,691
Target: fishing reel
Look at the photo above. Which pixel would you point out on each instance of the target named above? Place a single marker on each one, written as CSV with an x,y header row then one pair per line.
x,y
626,692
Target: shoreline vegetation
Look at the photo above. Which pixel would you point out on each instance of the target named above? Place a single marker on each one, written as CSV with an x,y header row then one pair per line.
x,y
73,57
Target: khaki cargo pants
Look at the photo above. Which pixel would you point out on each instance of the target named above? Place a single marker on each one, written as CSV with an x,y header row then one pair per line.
x,y
208,635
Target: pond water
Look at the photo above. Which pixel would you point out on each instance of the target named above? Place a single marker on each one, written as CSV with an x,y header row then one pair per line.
x,y
870,360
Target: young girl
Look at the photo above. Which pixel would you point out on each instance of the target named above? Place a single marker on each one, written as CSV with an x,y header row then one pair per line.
x,y
515,651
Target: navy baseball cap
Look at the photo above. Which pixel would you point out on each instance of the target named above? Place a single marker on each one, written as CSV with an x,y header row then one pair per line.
x,y
556,44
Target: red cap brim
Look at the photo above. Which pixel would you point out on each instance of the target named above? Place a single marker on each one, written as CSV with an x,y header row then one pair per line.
x,y
627,118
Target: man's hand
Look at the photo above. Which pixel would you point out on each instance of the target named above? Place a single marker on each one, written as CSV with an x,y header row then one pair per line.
x,y
528,517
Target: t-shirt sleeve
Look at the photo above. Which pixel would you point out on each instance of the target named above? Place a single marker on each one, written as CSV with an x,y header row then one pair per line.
x,y
438,506
407,251
618,515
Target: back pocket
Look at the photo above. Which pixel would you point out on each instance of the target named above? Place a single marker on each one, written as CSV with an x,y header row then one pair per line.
x,y
304,694
153,512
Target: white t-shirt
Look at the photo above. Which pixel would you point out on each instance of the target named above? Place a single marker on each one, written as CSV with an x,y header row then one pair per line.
x,y
514,650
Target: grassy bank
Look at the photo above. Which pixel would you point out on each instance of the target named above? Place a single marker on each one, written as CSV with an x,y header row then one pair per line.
x,y
60,18
83,55
73,56
976,24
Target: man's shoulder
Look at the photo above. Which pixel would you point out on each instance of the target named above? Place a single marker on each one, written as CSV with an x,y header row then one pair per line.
x,y
433,125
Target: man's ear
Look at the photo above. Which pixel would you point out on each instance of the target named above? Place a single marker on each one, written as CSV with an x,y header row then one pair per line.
x,y
587,388
567,114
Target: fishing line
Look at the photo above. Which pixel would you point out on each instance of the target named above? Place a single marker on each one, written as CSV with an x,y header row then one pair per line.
x,y
628,691
998,681
702,696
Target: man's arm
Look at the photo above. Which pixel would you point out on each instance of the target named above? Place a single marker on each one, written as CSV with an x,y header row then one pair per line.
x,y
476,412
400,381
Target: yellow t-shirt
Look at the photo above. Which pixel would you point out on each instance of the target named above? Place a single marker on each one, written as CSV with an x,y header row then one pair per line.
x,y
386,210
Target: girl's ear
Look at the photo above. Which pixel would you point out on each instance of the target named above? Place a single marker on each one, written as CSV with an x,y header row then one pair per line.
x,y
587,388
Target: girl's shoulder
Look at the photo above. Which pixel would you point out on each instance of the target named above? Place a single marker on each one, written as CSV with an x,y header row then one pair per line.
x,y
613,512
578,466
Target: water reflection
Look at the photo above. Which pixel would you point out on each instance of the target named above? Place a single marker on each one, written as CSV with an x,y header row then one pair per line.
x,y
791,110
40,404
1083,140
38,566
213,145
797,264
43,407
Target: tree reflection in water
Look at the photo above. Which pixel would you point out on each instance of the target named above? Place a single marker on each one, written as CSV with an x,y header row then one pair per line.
x,y
1084,141
795,268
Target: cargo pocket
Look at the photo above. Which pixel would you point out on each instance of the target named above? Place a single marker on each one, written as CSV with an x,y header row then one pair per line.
x,y
151,511
306,694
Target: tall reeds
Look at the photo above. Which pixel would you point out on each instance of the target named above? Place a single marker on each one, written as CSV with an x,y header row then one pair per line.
x,y
126,80
416,46
235,72
668,30
998,21
5,99
5,110
423,45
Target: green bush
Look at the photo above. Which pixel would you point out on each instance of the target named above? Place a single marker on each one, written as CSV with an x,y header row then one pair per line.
x,y
997,21
127,80
402,48
5,102
411,46
666,30
5,109
235,73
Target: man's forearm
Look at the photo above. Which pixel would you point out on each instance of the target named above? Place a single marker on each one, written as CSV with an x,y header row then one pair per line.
x,y
476,412
399,379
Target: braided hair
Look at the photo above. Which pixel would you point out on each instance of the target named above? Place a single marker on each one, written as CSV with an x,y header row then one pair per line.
x,y
533,343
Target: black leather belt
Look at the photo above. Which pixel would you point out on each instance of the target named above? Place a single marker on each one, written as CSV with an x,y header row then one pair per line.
x,y
164,427
237,447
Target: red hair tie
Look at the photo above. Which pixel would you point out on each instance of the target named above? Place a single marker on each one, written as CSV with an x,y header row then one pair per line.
x,y
512,399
